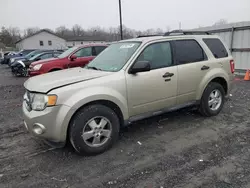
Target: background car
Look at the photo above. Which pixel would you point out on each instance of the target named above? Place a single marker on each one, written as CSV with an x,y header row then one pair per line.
x,y
7,54
28,56
19,54
20,67
44,55
77,56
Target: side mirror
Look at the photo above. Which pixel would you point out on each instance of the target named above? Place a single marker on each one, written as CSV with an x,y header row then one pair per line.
x,y
140,66
73,57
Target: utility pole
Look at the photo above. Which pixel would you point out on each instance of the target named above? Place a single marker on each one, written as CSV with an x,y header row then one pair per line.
x,y
120,13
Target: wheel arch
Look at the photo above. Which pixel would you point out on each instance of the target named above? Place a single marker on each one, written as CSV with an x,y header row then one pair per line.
x,y
219,77
55,69
104,102
222,82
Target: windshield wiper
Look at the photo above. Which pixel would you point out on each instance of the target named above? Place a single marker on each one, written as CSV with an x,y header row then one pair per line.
x,y
94,68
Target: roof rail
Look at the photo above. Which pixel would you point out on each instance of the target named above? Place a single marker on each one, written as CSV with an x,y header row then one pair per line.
x,y
181,32
140,36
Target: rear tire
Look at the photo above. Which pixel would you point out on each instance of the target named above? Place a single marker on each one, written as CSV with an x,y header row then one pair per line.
x,y
212,100
94,129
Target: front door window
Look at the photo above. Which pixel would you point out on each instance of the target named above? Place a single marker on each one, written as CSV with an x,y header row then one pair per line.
x,y
84,52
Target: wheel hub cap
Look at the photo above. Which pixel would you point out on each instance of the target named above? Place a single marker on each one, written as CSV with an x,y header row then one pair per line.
x,y
215,100
97,131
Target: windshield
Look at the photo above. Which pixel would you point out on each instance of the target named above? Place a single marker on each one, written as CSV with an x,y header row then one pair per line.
x,y
67,52
114,57
31,54
34,57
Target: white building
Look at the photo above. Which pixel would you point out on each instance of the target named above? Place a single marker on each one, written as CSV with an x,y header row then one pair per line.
x,y
82,40
42,39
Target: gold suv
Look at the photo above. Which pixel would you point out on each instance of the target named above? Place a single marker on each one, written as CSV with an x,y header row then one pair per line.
x,y
130,80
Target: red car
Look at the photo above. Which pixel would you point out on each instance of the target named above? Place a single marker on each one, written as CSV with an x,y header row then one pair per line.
x,y
77,56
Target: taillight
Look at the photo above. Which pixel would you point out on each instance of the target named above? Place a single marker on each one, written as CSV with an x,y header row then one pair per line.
x,y
232,65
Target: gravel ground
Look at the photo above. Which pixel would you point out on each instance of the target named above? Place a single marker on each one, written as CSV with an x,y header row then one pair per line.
x,y
179,149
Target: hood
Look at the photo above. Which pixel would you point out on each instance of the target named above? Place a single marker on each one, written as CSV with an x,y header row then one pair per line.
x,y
46,82
44,61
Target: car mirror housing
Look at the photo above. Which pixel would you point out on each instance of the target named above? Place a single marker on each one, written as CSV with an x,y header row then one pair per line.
x,y
140,66
73,57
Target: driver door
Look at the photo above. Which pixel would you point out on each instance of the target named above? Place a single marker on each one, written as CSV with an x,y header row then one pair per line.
x,y
83,57
156,89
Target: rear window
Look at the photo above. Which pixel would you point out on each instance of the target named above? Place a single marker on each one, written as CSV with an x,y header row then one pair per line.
x,y
188,51
216,47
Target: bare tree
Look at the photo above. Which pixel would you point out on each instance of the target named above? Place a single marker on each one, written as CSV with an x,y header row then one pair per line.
x,y
63,31
14,31
77,30
159,31
168,28
221,22
30,31
9,36
113,34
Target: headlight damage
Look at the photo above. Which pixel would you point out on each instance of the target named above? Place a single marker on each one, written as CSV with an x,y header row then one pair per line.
x,y
38,101
37,67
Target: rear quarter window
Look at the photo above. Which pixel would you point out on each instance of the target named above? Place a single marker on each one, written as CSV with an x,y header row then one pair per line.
x,y
216,47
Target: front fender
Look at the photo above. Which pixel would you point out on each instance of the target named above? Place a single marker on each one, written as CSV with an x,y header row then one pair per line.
x,y
212,74
93,94
18,64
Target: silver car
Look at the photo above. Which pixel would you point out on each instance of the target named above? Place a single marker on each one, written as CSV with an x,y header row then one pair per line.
x,y
130,80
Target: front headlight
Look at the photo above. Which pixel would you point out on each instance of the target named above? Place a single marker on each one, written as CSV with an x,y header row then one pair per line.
x,y
41,101
21,62
12,60
37,67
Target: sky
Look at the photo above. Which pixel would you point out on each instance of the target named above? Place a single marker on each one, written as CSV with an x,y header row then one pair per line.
x,y
137,14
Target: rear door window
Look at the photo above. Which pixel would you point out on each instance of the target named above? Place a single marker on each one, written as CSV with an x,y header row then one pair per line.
x,y
216,47
188,51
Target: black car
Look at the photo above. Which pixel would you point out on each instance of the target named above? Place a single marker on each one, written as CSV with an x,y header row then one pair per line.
x,y
20,67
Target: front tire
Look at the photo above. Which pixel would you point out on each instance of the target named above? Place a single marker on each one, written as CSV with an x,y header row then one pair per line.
x,y
24,72
212,100
94,129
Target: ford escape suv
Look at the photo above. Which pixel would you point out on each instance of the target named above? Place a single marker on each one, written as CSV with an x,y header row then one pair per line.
x,y
130,80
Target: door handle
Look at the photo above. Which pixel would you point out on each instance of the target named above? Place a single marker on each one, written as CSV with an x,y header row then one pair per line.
x,y
205,67
168,74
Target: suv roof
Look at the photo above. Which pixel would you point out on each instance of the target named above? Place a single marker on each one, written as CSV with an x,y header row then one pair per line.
x,y
153,38
175,34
